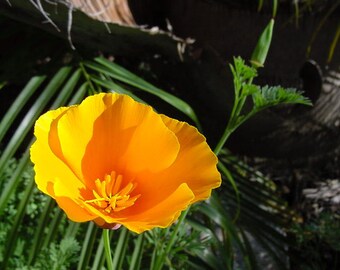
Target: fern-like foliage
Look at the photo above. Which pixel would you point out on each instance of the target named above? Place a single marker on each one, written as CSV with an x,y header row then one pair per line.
x,y
57,256
268,96
262,97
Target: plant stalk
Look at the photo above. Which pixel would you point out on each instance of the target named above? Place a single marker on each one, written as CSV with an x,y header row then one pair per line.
x,y
106,239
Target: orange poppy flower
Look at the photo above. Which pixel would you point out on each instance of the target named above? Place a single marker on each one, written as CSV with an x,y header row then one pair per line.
x,y
116,161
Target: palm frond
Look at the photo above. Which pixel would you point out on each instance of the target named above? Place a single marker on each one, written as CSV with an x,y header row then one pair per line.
x,y
111,70
246,220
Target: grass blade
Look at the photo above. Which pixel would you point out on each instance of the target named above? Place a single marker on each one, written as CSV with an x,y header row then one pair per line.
x,y
13,235
87,247
38,236
99,257
137,253
14,181
119,254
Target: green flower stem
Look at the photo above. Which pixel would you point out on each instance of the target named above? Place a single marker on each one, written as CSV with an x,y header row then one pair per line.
x,y
234,120
230,129
106,239
223,140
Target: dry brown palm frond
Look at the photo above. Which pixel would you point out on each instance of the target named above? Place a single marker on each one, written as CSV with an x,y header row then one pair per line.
x,y
114,11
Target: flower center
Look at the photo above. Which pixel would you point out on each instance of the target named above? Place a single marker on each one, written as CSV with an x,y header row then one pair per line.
x,y
110,196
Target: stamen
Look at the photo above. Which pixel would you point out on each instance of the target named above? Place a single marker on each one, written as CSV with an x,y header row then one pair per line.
x,y
109,196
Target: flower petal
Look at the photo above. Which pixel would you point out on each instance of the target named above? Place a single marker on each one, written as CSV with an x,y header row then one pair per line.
x,y
47,166
162,214
74,129
69,198
153,146
114,132
196,164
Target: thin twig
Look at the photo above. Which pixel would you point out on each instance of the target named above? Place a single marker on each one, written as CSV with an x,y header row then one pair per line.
x,y
69,26
38,6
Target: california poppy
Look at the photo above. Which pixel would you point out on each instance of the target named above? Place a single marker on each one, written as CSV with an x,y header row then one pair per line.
x,y
114,161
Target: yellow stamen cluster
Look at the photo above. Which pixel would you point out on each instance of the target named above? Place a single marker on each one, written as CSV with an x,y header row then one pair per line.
x,y
110,196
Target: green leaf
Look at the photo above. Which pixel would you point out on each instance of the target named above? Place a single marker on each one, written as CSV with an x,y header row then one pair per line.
x,y
242,72
2,84
14,181
123,75
99,258
137,253
271,96
87,246
111,86
33,113
263,217
38,236
250,89
19,104
121,248
13,235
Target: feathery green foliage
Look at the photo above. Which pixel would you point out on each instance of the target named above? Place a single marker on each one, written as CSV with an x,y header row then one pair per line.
x,y
262,98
